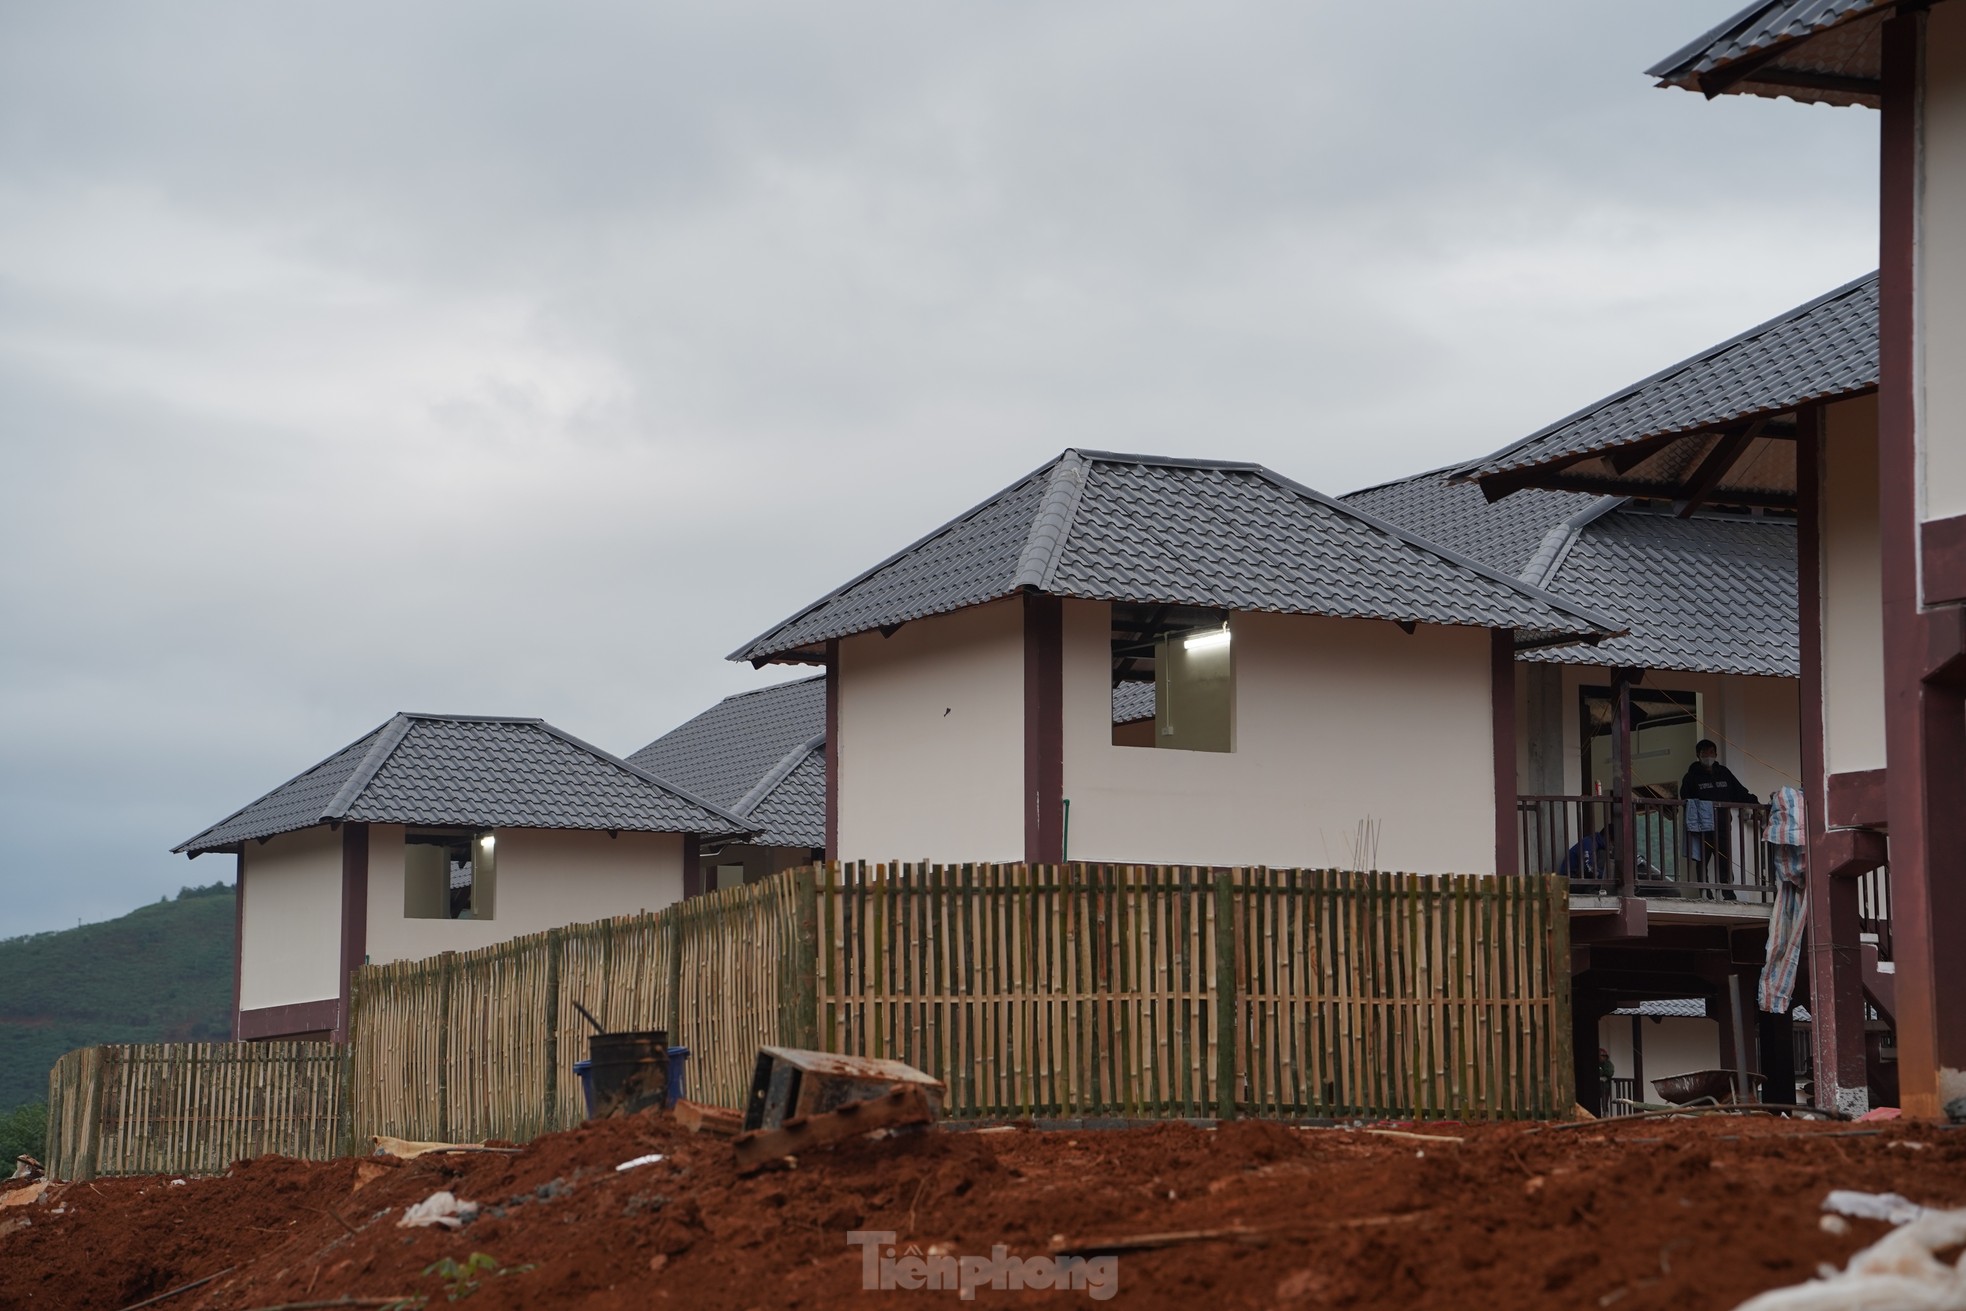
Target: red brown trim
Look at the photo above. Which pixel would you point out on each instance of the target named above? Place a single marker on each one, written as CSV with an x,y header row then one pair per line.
x,y
1942,560
1855,799
1924,721
1625,830
1809,607
354,914
1044,728
833,749
307,1018
693,880
1501,675
1835,974
1844,854
238,934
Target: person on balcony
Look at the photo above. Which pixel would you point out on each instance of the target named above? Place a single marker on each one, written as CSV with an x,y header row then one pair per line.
x,y
1707,785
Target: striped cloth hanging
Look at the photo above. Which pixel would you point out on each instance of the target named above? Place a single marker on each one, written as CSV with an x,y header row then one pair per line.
x,y
1788,858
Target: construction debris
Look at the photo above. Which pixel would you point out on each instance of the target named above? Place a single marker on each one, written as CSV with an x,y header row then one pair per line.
x,y
26,1167
790,1083
650,1159
410,1149
700,1117
1888,1207
439,1209
27,1196
1899,1272
902,1104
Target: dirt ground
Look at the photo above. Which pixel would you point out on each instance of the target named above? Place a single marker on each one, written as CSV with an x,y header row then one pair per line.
x,y
1637,1214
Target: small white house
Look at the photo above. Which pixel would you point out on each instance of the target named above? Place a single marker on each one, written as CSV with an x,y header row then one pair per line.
x,y
438,833
1321,681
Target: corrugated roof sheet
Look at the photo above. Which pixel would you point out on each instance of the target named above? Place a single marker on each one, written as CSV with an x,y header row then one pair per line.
x,y
470,771
1110,527
774,737
1709,594
1808,50
1821,350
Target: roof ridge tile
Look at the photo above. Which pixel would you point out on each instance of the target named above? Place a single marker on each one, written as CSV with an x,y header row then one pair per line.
x,y
1052,524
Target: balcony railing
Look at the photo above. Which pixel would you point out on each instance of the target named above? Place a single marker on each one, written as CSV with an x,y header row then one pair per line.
x,y
1874,908
1577,836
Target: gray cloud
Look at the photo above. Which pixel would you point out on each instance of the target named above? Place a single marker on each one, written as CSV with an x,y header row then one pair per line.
x,y
525,359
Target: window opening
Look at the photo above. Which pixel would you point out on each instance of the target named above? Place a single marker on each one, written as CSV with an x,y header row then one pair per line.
x,y
1173,677
448,875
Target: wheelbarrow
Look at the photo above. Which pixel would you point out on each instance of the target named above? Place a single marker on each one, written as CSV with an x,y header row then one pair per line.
x,y
1713,1086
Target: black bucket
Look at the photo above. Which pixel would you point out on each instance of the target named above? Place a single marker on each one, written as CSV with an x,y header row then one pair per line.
x,y
630,1071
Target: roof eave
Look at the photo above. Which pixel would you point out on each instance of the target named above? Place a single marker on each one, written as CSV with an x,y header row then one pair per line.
x,y
759,653
1759,69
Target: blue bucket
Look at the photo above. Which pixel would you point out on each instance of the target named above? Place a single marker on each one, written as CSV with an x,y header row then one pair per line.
x,y
678,1085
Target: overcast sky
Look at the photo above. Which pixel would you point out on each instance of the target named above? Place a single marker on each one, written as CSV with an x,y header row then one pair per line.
x,y
527,358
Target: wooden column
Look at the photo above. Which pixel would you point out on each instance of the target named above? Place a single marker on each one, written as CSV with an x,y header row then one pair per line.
x,y
694,882
238,934
1836,1000
1501,668
1638,1059
833,779
1775,1036
1925,714
1624,821
1585,1012
354,915
1044,728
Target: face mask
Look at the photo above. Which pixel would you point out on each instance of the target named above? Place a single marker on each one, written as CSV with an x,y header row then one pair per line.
x,y
1706,760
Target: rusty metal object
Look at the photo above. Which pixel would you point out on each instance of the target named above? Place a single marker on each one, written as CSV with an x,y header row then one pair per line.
x,y
1716,1084
790,1083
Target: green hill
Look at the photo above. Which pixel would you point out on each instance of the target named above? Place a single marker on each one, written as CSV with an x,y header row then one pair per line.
x,y
159,974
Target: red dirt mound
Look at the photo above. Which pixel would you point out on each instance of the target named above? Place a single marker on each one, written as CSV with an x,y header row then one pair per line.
x,y
1637,1215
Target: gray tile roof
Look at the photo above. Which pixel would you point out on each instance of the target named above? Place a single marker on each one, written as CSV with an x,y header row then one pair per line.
x,y
1809,50
1503,535
1132,701
1133,528
1822,350
1708,594
1693,1008
792,813
463,770
758,754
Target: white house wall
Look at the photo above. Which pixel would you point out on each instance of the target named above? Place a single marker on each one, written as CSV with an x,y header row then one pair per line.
x,y
544,878
1941,268
1336,721
1853,615
290,941
931,739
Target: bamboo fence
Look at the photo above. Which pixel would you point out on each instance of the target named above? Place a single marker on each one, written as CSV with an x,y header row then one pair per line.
x,y
474,1045
193,1107
1051,991
1149,992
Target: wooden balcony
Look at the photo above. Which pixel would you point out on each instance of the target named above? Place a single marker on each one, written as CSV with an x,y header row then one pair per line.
x,y
1578,837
